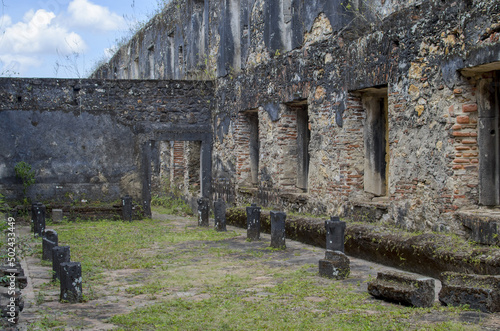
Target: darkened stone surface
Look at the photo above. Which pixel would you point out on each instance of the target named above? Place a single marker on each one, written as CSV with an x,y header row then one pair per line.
x,y
278,229
71,282
34,211
335,265
127,208
335,230
273,109
51,235
39,220
74,132
60,254
253,222
220,215
483,227
203,212
477,291
47,246
403,288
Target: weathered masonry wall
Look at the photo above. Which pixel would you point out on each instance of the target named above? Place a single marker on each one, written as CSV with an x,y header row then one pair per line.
x,y
90,139
377,109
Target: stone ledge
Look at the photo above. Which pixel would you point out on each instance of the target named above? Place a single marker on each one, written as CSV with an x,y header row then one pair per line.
x,y
366,211
428,254
477,291
403,288
482,226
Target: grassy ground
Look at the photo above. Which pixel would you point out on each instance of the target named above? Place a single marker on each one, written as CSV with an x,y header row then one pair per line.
x,y
191,278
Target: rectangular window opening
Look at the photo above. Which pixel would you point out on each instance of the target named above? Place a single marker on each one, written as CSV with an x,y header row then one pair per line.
x,y
303,138
376,141
254,145
151,61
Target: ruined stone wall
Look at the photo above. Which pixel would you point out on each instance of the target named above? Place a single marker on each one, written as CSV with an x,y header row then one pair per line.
x,y
84,138
415,54
411,68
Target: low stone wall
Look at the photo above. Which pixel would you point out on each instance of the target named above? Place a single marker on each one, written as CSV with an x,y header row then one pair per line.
x,y
429,253
72,213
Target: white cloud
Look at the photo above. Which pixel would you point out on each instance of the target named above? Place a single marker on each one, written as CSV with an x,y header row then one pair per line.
x,y
14,65
24,43
37,34
5,20
85,14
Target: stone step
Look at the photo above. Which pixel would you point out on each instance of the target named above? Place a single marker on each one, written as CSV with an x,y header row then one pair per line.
x,y
403,288
477,291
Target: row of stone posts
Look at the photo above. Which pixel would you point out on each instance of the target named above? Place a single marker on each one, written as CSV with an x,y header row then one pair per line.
x,y
334,265
68,273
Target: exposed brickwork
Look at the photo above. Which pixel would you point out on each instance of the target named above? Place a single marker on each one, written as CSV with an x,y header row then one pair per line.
x,y
242,146
420,53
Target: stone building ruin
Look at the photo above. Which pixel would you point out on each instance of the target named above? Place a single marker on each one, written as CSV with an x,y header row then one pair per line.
x,y
380,110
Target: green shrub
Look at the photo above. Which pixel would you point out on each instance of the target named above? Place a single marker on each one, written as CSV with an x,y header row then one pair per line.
x,y
27,175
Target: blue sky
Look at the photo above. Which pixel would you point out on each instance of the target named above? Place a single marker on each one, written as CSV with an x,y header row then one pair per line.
x,y
64,38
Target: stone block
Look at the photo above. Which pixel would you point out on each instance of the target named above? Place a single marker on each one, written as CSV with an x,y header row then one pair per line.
x,y
481,227
16,271
60,254
57,215
477,291
253,222
203,212
403,288
127,208
38,214
47,246
220,215
278,229
51,235
71,282
335,229
335,265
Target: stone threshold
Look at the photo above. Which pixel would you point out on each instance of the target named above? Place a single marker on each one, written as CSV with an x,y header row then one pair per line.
x,y
428,253
481,225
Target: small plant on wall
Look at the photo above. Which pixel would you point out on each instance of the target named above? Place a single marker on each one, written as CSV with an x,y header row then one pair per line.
x,y
27,175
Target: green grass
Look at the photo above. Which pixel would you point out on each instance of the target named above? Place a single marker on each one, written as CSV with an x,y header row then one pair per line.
x,y
195,279
110,245
286,307
169,205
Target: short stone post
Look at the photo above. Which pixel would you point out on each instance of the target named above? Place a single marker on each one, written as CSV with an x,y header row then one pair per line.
x,y
50,240
335,264
57,215
34,210
39,220
253,222
71,282
203,212
220,215
60,254
127,208
335,230
278,229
